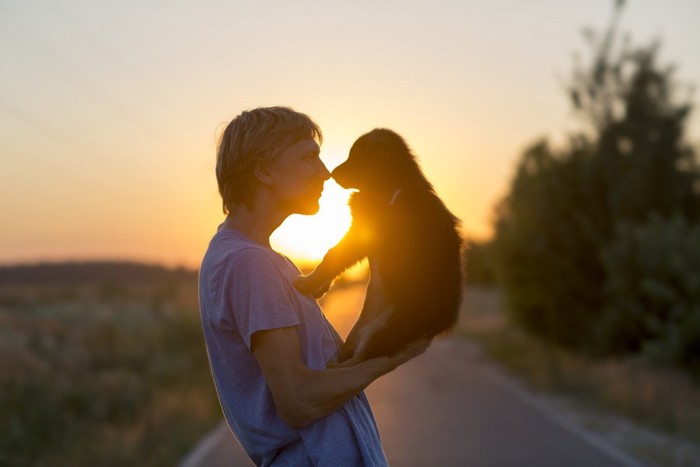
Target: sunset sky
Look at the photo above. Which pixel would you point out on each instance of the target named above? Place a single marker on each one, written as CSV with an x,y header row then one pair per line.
x,y
110,111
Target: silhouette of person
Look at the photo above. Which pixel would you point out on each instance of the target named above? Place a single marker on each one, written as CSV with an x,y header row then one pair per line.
x,y
268,344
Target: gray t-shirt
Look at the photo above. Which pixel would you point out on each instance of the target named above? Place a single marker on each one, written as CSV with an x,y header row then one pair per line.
x,y
245,287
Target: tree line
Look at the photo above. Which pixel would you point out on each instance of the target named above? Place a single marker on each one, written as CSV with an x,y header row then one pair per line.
x,y
597,243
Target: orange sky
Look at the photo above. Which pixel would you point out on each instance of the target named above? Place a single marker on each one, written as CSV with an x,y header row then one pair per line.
x,y
109,112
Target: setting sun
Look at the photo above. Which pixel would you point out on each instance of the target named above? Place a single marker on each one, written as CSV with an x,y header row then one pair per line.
x,y
307,238
108,139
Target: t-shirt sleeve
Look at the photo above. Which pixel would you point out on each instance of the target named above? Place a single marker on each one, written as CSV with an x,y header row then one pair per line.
x,y
257,294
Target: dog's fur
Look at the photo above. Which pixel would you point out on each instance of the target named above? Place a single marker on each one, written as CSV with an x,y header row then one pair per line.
x,y
411,241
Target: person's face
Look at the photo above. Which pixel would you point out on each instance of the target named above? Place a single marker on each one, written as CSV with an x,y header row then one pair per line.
x,y
297,176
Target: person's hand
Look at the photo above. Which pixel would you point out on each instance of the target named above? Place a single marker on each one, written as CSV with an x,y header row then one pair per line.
x,y
414,349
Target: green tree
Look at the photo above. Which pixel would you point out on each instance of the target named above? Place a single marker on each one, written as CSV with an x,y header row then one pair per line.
x,y
629,162
652,291
478,262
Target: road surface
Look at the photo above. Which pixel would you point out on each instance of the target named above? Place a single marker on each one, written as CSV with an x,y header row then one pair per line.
x,y
451,407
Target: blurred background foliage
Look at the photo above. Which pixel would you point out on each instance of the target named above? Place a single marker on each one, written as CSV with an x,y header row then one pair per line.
x,y
101,364
597,243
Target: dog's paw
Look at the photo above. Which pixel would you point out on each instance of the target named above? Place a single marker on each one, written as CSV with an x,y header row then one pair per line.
x,y
310,286
321,291
305,284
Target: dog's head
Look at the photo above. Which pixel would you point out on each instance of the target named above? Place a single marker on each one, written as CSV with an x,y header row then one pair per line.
x,y
379,161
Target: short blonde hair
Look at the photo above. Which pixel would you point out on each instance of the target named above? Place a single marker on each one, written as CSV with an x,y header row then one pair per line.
x,y
256,137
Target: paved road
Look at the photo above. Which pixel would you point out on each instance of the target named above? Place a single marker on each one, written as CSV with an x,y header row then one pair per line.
x,y
450,407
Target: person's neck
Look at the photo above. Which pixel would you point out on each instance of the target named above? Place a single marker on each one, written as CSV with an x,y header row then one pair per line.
x,y
256,224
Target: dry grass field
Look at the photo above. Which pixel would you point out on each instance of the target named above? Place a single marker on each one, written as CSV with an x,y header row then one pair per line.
x,y
102,372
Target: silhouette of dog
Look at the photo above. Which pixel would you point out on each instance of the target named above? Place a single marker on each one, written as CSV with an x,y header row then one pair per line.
x,y
411,241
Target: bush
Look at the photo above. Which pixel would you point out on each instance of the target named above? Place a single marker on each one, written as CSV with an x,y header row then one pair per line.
x,y
631,162
652,291
548,235
478,262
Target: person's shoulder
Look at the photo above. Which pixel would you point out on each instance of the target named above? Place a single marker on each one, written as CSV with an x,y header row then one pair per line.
x,y
232,252
227,250
251,256
231,245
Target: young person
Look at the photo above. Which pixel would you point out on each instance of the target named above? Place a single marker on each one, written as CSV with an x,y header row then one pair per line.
x,y
268,344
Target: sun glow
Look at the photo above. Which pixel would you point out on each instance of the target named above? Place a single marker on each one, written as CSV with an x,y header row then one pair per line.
x,y
307,238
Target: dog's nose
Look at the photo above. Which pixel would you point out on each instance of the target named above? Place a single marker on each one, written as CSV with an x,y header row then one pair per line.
x,y
338,172
338,177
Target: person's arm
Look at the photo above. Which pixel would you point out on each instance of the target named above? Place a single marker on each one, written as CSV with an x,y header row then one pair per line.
x,y
302,395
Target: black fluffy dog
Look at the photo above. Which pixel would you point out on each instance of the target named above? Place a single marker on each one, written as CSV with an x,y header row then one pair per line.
x,y
412,244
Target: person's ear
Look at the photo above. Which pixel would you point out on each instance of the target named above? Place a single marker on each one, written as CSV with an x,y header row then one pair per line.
x,y
262,173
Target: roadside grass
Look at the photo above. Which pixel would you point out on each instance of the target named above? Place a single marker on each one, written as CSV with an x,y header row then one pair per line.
x,y
116,374
104,374
663,399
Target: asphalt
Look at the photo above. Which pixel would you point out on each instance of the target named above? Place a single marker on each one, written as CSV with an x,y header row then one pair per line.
x,y
452,407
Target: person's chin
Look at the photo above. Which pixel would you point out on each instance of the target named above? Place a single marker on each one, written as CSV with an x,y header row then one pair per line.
x,y
310,210
307,209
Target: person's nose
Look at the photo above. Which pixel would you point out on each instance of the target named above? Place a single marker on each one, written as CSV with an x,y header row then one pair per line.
x,y
325,174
